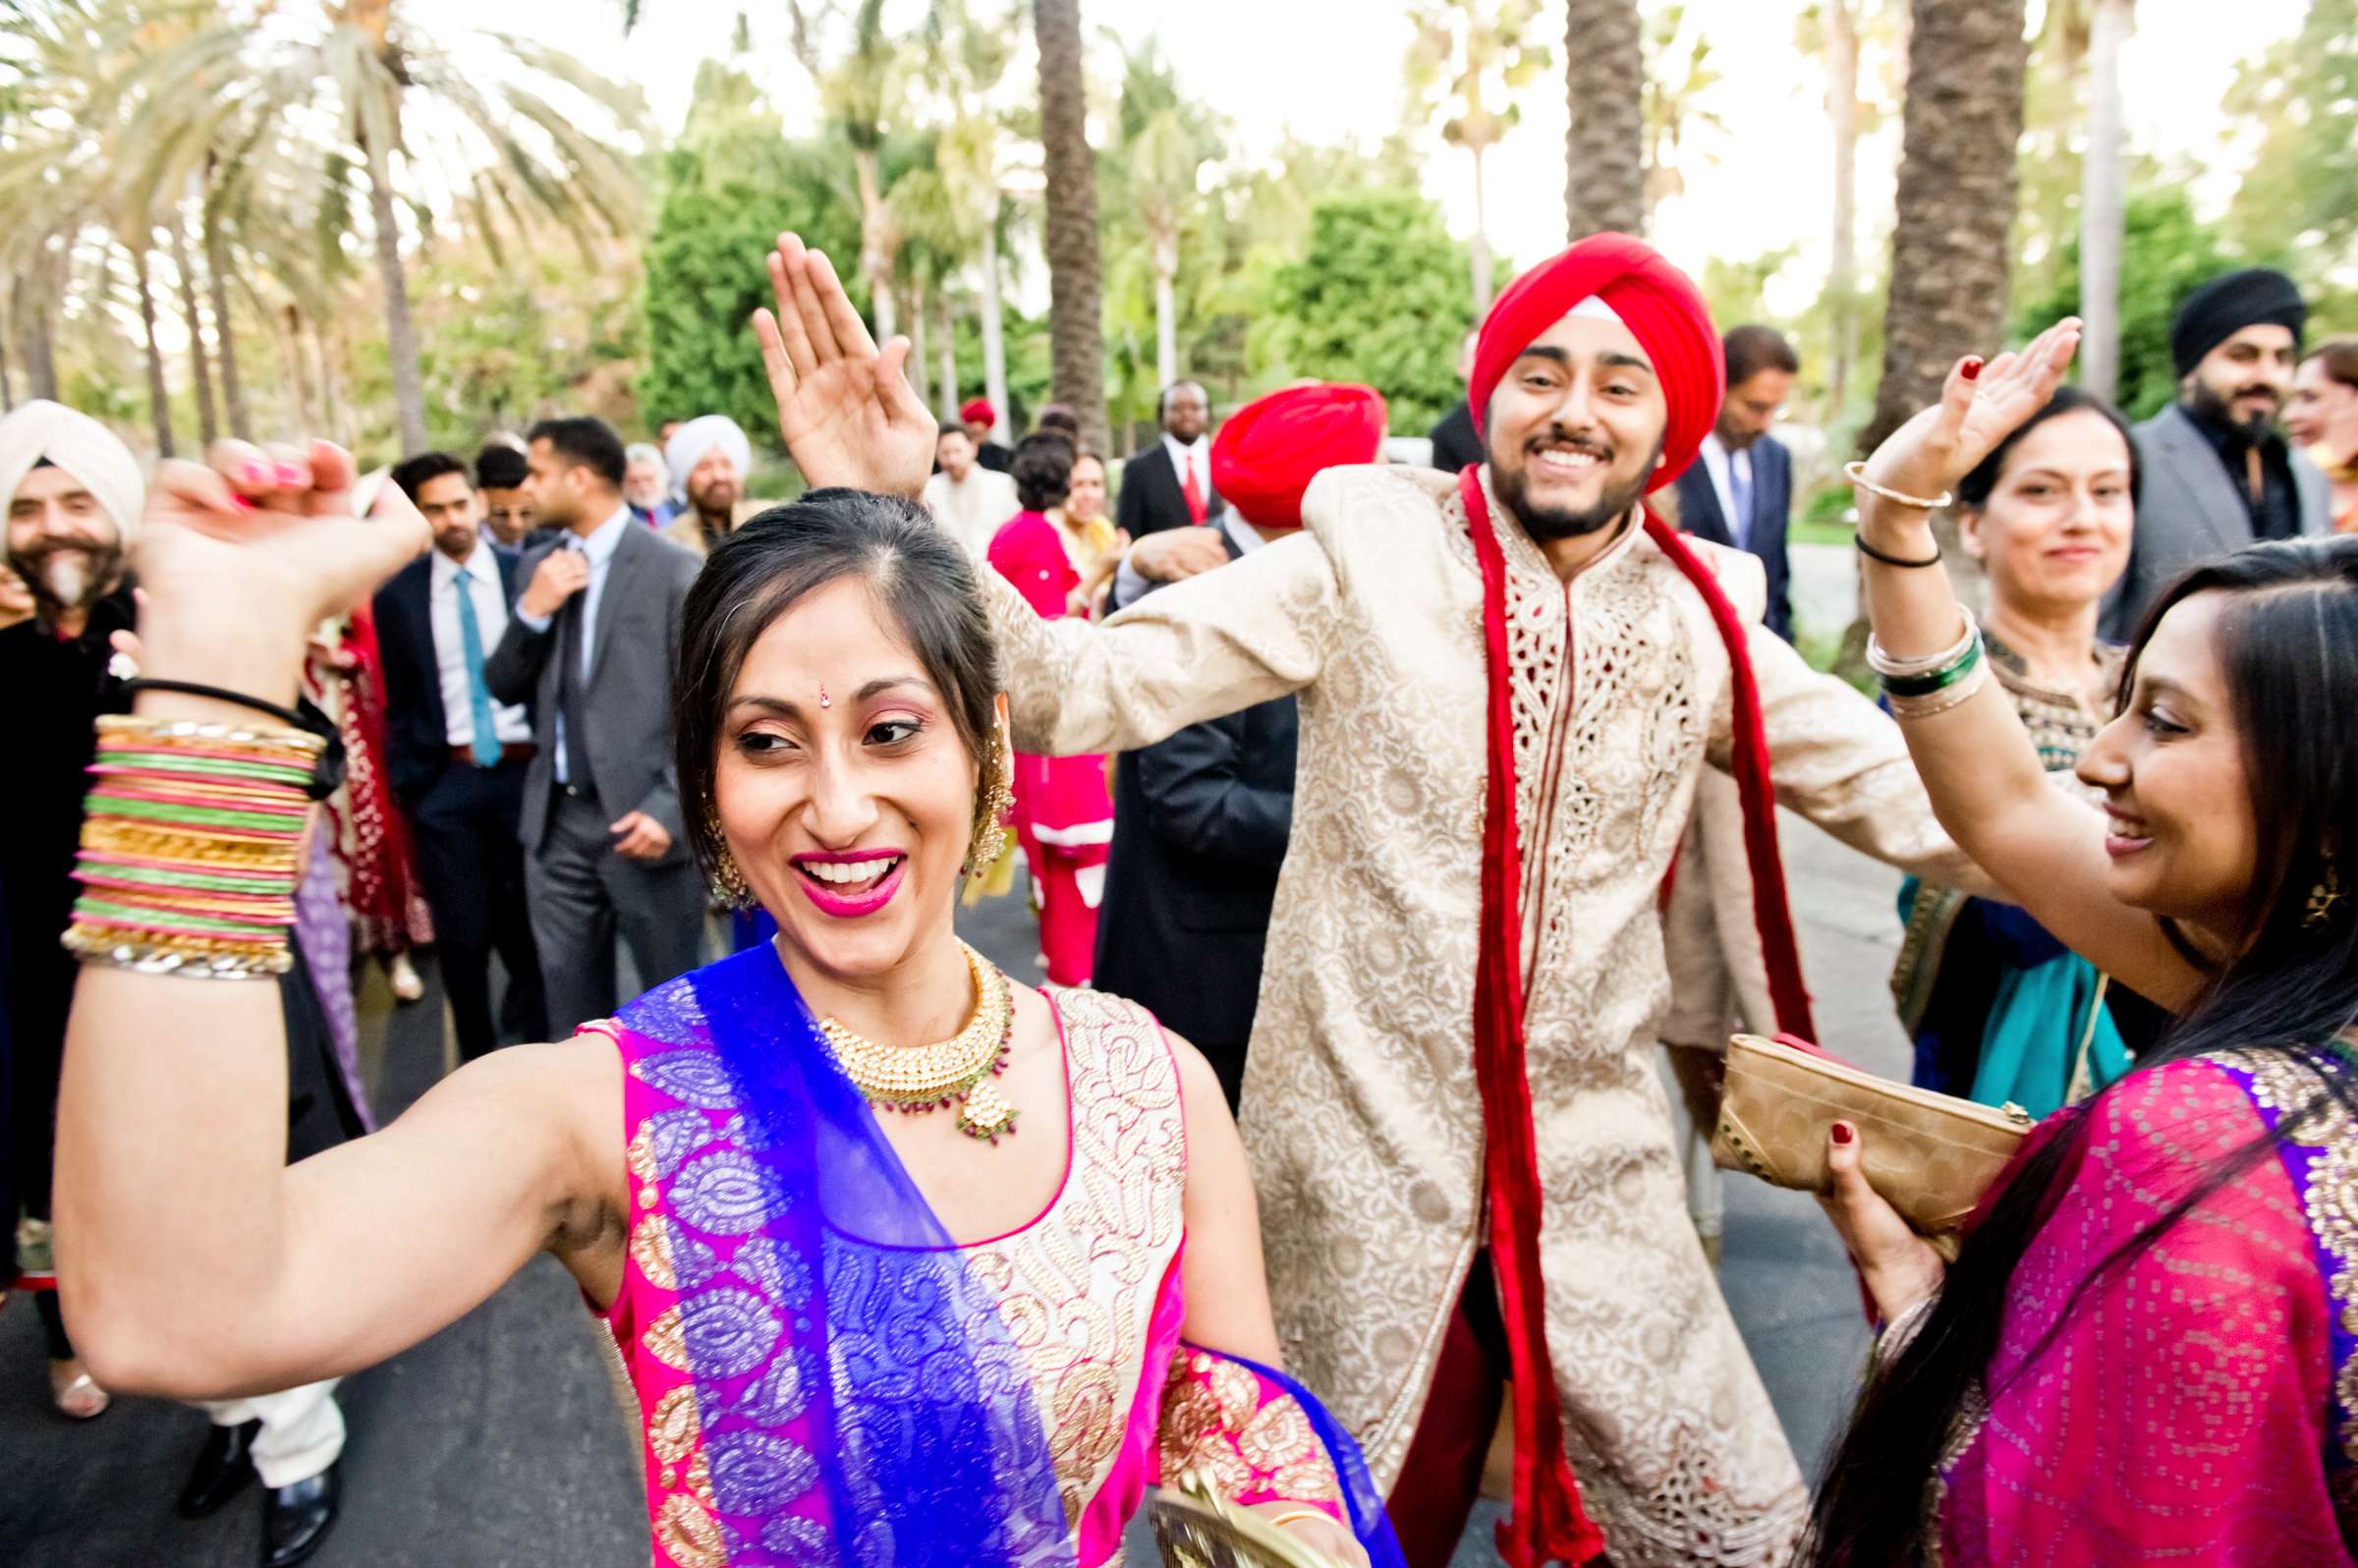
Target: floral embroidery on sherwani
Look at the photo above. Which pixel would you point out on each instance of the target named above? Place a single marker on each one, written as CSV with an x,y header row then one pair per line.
x,y
1361,1112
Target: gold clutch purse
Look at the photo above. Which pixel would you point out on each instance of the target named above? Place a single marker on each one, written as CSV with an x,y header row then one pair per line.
x,y
1931,1155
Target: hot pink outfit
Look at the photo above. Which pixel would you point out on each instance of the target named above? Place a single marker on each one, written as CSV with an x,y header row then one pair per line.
x,y
2196,1408
1063,816
1089,1292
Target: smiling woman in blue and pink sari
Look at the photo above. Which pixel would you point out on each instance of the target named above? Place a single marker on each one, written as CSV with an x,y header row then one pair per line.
x,y
865,1320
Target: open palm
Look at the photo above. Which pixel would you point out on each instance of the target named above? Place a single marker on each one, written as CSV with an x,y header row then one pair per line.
x,y
1980,406
846,409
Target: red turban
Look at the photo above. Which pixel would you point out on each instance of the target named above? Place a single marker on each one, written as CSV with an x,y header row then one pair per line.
x,y
978,411
1659,304
1270,449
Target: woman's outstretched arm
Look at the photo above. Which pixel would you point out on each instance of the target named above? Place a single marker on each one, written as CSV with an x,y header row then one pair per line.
x,y
2043,848
193,1261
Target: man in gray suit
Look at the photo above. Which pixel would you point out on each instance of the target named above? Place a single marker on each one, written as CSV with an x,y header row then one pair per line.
x,y
2218,471
591,647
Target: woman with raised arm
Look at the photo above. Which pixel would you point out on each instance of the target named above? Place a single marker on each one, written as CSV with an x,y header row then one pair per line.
x,y
911,1337
2144,1351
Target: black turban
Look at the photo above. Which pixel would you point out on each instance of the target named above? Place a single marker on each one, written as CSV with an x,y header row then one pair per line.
x,y
2224,305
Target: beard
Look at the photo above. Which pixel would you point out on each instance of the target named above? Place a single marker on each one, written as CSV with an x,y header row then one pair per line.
x,y
2209,402
1548,522
715,503
65,575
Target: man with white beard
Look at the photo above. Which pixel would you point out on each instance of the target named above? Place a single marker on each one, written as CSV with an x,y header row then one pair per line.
x,y
72,495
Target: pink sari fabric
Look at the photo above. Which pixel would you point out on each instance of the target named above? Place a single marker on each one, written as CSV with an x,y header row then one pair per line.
x,y
1063,815
2186,1411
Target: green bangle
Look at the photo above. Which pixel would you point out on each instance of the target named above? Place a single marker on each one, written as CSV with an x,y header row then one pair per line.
x,y
150,877
175,920
1938,679
192,816
216,766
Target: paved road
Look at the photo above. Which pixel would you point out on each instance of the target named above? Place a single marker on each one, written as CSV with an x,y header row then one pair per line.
x,y
496,1443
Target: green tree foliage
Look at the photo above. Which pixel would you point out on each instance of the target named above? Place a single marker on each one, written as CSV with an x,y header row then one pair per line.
x,y
2166,251
729,188
1381,296
2300,192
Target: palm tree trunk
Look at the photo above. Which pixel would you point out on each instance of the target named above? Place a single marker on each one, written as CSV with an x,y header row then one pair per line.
x,y
1166,309
216,274
2100,202
36,305
159,397
299,384
1842,265
7,389
919,370
200,370
875,250
1605,154
400,333
1076,324
947,389
994,335
1482,241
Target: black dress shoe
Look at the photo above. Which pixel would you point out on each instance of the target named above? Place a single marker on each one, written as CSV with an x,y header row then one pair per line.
x,y
224,1468
295,1519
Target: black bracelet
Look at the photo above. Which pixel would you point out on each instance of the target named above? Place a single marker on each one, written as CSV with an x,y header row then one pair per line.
x,y
326,773
1873,554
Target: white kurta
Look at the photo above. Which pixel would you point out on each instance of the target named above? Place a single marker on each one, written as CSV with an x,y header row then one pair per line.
x,y
1361,1109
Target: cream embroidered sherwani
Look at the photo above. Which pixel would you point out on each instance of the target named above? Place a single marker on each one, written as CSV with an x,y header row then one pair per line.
x,y
1361,1109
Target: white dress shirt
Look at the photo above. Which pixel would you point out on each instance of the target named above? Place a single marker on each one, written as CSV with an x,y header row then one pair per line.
x,y
1198,454
478,578
973,509
600,547
1725,467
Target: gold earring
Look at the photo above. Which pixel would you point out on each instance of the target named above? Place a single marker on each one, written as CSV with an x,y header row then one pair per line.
x,y
727,879
991,832
2323,899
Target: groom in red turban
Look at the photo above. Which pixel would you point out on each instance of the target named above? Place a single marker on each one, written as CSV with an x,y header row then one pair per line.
x,y
1512,683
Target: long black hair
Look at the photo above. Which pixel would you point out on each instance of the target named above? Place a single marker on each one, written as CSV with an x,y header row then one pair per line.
x,y
918,574
2286,639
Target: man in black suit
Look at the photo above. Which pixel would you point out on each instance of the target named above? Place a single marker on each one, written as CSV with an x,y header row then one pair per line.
x,y
590,646
1169,485
458,757
1739,489
1201,820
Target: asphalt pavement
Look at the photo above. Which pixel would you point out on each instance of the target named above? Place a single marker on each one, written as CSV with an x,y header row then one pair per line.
x,y
497,1443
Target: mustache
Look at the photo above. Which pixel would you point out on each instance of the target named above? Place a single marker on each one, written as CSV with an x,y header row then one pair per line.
x,y
67,574
1556,436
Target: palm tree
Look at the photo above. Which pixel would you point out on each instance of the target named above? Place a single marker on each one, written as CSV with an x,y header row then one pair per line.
x,y
1950,240
967,56
1604,147
1839,29
1076,329
2103,183
1467,56
489,136
859,94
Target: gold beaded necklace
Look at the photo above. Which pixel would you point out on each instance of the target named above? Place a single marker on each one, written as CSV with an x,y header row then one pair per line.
x,y
917,1078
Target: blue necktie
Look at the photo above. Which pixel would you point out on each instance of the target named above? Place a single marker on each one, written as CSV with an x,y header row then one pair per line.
x,y
478,695
1739,493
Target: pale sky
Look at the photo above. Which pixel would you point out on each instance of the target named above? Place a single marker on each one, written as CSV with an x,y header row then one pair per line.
x,y
1331,69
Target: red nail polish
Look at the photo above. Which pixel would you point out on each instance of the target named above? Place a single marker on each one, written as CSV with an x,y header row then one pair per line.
x,y
256,473
291,475
241,503
1972,368
1842,1133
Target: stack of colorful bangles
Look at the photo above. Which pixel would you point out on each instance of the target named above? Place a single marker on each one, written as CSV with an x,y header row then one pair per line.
x,y
1918,688
191,847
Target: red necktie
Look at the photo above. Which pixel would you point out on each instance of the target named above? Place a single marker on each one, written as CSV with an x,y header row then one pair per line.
x,y
1193,492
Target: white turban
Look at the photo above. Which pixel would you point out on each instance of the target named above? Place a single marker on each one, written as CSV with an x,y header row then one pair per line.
x,y
691,441
83,448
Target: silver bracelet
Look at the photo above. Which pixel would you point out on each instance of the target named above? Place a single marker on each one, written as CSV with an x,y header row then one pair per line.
x,y
1855,472
1883,663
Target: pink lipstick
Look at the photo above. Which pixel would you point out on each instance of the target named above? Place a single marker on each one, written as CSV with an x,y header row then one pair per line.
x,y
850,883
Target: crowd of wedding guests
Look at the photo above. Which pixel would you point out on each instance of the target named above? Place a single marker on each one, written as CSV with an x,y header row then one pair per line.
x,y
504,709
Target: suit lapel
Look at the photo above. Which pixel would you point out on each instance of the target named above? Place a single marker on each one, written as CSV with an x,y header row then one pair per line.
x,y
1699,507
621,573
2216,505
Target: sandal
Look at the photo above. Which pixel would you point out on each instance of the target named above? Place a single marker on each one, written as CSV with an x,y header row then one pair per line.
x,y
77,1393
407,985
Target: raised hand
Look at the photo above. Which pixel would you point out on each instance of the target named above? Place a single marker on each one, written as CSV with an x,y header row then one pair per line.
x,y
846,409
1981,404
239,558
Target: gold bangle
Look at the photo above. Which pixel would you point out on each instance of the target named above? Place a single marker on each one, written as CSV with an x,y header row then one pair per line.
x,y
1855,471
1280,1521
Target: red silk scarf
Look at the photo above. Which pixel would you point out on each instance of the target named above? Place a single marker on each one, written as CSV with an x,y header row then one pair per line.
x,y
1546,1522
